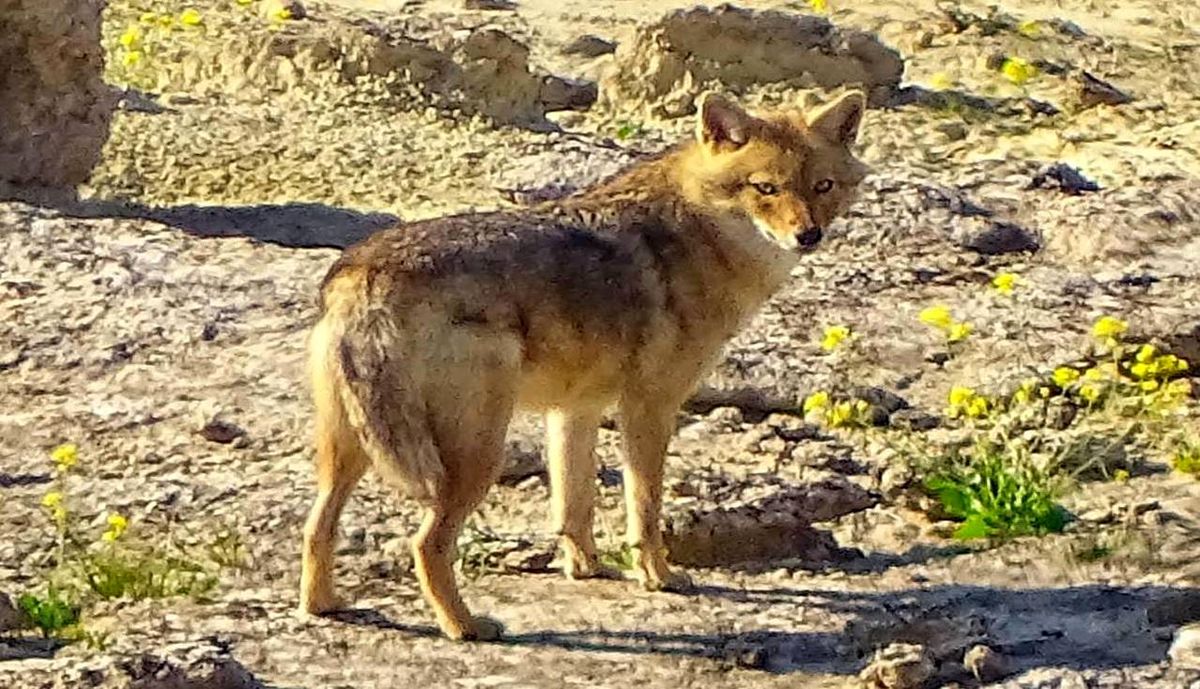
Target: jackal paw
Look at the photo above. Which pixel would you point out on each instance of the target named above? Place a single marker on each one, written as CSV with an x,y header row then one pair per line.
x,y
672,581
317,605
477,629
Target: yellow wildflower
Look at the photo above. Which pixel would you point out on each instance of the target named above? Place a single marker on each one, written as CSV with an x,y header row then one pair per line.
x,y
819,5
281,15
1018,71
190,17
861,406
959,332
960,395
941,81
1064,376
1149,385
977,407
116,526
65,456
1004,282
1101,372
840,414
131,37
1141,370
1121,476
834,336
131,58
1024,393
1044,392
1146,353
52,499
1089,392
817,400
938,316
1029,28
1107,327
1168,364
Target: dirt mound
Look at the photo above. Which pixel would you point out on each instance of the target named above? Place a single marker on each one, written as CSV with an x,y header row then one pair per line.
x,y
470,71
670,61
53,102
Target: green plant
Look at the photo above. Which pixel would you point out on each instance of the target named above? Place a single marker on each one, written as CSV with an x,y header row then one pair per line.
x,y
1186,459
138,574
996,491
619,558
629,130
114,565
50,614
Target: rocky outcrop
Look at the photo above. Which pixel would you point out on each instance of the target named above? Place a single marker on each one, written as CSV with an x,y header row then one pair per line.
x,y
54,104
670,61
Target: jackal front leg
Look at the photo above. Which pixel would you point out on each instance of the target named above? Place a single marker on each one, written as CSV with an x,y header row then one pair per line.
x,y
570,450
647,431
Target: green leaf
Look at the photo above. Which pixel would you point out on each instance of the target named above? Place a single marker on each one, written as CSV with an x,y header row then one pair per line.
x,y
974,527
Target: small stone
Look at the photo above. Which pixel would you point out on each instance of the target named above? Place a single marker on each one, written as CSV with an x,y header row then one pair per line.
x,y
992,237
984,663
559,93
898,666
1064,178
1094,91
589,45
886,400
915,420
524,461
490,5
221,431
727,416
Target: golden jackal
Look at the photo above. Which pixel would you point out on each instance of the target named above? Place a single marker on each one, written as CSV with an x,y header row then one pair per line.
x,y
431,334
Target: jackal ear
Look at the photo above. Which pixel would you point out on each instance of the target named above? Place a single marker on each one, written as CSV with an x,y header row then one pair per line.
x,y
838,121
722,122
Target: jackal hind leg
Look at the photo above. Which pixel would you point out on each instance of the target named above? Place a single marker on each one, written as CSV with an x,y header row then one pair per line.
x,y
469,411
340,463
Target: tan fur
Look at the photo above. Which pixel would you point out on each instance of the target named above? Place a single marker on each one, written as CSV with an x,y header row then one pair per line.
x,y
431,334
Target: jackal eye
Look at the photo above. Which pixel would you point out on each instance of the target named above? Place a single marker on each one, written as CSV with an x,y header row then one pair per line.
x,y
765,188
823,186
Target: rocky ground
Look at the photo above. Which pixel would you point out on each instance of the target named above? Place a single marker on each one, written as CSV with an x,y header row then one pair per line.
x,y
159,323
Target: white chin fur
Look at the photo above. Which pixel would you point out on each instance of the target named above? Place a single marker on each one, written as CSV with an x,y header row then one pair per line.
x,y
787,242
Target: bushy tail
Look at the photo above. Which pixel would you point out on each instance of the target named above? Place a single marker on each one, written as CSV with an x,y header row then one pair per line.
x,y
363,389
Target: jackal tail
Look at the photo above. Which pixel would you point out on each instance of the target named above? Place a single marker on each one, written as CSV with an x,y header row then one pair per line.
x,y
366,395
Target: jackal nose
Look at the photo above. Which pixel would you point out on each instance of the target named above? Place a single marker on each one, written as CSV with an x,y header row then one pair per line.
x,y
810,237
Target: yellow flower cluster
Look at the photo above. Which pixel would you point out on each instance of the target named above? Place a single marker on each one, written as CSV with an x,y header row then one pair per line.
x,y
834,336
1018,71
842,414
65,456
53,501
941,318
1005,283
116,526
965,402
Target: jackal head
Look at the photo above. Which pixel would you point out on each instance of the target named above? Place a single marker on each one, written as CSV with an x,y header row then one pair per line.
x,y
789,174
